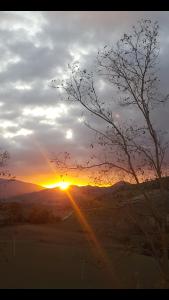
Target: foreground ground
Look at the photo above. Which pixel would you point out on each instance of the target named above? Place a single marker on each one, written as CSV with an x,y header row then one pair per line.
x,y
60,256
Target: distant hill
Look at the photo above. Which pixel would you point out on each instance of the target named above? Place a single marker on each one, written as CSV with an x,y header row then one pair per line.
x,y
154,184
84,196
56,197
98,191
47,197
46,204
11,188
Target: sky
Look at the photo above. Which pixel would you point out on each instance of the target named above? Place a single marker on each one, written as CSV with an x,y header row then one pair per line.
x,y
36,47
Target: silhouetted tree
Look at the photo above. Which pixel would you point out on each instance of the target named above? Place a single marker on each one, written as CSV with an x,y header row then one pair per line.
x,y
133,148
4,157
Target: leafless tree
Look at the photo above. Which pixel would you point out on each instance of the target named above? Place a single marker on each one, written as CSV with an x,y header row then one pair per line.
x,y
4,157
131,68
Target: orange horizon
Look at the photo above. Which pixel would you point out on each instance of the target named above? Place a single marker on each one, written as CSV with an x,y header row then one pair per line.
x,y
50,180
50,183
53,184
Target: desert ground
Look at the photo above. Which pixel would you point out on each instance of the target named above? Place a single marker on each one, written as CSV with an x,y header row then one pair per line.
x,y
61,256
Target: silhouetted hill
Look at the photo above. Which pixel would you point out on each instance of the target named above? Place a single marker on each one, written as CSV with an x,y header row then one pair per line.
x,y
86,196
154,184
99,191
58,200
51,204
44,197
10,188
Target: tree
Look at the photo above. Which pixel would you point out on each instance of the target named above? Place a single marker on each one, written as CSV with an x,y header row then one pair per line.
x,y
132,69
4,157
135,149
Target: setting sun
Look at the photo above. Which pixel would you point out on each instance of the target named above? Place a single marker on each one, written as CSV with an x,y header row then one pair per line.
x,y
62,185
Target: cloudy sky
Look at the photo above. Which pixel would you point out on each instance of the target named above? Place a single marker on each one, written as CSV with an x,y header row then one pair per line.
x,y
37,47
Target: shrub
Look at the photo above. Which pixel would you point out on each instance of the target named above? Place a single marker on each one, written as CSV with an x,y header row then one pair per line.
x,y
15,213
41,215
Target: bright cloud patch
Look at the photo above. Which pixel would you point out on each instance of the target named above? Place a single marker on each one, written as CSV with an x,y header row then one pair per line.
x,y
30,22
69,134
6,124
78,53
22,86
81,119
46,112
20,132
4,64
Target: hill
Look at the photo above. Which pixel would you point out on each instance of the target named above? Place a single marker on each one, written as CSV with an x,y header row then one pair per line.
x,y
11,188
50,204
85,195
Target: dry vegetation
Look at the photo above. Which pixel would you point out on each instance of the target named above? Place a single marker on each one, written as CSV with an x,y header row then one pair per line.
x,y
64,248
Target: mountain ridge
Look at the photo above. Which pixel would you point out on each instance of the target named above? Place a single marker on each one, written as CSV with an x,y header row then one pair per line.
x,y
10,188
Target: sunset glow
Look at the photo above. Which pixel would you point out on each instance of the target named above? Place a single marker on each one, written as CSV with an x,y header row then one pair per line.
x,y
84,156
62,185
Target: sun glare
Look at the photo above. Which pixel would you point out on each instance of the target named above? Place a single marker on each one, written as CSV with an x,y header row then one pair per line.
x,y
62,185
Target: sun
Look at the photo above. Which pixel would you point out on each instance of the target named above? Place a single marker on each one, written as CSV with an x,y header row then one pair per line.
x,y
62,185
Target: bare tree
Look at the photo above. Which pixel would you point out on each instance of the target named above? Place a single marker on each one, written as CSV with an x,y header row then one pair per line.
x,y
4,157
131,68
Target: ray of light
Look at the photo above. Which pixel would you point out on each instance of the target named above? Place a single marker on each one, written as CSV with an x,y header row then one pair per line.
x,y
63,185
98,250
97,246
57,177
44,154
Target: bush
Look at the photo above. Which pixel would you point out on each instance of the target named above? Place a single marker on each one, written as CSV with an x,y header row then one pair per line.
x,y
41,215
15,213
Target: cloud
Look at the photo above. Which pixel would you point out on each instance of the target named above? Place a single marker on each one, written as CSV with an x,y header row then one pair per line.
x,y
37,47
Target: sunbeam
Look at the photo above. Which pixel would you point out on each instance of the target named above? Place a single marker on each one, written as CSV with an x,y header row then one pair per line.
x,y
93,239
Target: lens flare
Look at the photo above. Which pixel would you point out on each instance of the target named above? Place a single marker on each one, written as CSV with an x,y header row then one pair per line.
x,y
62,185
98,249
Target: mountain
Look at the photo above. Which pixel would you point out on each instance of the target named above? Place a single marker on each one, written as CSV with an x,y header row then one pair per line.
x,y
18,191
120,184
99,191
154,184
22,191
11,188
47,197
84,196
49,204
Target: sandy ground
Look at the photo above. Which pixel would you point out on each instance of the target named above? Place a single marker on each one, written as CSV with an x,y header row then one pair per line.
x,y
59,256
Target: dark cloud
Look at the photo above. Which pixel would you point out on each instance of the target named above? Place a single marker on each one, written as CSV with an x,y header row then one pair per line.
x,y
35,48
